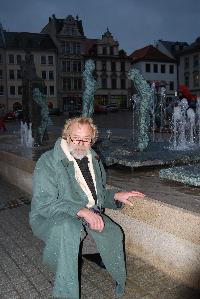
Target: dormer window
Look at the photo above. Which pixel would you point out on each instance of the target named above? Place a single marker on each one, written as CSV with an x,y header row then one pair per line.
x,y
104,51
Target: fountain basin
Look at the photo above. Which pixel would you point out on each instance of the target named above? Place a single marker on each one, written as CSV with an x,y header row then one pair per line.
x,y
122,152
189,174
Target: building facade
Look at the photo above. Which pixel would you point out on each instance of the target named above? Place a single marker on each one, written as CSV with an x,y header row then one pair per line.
x,y
189,71
13,51
173,50
60,52
156,67
73,50
112,66
68,35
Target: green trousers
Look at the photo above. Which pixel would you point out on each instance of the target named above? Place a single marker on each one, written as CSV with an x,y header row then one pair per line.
x,y
62,241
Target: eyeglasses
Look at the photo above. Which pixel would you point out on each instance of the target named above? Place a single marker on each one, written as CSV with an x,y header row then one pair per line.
x,y
78,141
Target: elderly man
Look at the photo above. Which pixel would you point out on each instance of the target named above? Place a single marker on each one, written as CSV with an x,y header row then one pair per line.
x,y
69,194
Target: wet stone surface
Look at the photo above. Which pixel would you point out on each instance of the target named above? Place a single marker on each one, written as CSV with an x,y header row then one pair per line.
x,y
147,180
22,274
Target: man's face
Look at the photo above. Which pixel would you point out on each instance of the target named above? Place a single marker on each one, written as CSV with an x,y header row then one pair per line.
x,y
79,140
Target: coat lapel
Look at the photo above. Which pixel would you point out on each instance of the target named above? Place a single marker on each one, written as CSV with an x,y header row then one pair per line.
x,y
98,175
69,168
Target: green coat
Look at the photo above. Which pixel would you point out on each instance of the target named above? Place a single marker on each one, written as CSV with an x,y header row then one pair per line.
x,y
57,198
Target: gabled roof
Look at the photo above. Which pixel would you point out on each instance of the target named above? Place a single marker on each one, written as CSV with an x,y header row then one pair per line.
x,y
2,45
150,53
59,23
27,40
194,47
174,47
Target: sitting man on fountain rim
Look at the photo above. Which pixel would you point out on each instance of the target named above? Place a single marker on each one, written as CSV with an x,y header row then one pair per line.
x,y
69,195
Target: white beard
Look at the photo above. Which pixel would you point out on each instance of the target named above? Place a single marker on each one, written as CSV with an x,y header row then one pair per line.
x,y
78,155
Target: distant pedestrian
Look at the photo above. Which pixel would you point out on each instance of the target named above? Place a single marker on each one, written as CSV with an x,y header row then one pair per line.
x,y
2,114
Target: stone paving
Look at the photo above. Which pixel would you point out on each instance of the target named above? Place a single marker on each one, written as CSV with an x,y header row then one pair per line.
x,y
23,276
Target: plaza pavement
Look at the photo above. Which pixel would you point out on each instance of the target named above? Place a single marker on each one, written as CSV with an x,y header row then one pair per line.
x,y
22,276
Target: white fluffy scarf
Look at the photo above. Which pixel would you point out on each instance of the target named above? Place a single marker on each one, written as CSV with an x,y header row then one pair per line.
x,y
78,174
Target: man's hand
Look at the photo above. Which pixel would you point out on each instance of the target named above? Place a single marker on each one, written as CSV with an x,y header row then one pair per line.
x,y
123,196
94,221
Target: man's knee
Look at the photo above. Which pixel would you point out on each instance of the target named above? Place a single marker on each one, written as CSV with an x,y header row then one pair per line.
x,y
112,227
67,223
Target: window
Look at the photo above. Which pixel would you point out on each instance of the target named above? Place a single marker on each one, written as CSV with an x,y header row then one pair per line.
x,y
123,84
171,85
104,67
103,83
186,62
67,84
45,90
19,74
77,84
195,61
51,90
111,51
114,83
11,58
122,66
68,31
63,66
67,48
11,75
187,80
155,68
162,68
66,66
1,90
12,90
19,59
104,51
147,67
32,58
196,79
44,75
1,74
76,48
171,69
50,59
19,90
113,66
77,66
43,59
62,47
51,75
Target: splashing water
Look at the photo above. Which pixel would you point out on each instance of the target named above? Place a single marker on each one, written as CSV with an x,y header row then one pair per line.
x,y
183,127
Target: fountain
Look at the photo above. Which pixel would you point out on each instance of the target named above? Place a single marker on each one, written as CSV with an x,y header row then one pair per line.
x,y
26,135
90,88
198,117
150,145
183,126
184,132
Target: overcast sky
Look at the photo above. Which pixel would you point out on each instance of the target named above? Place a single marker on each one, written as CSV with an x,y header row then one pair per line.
x,y
134,23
